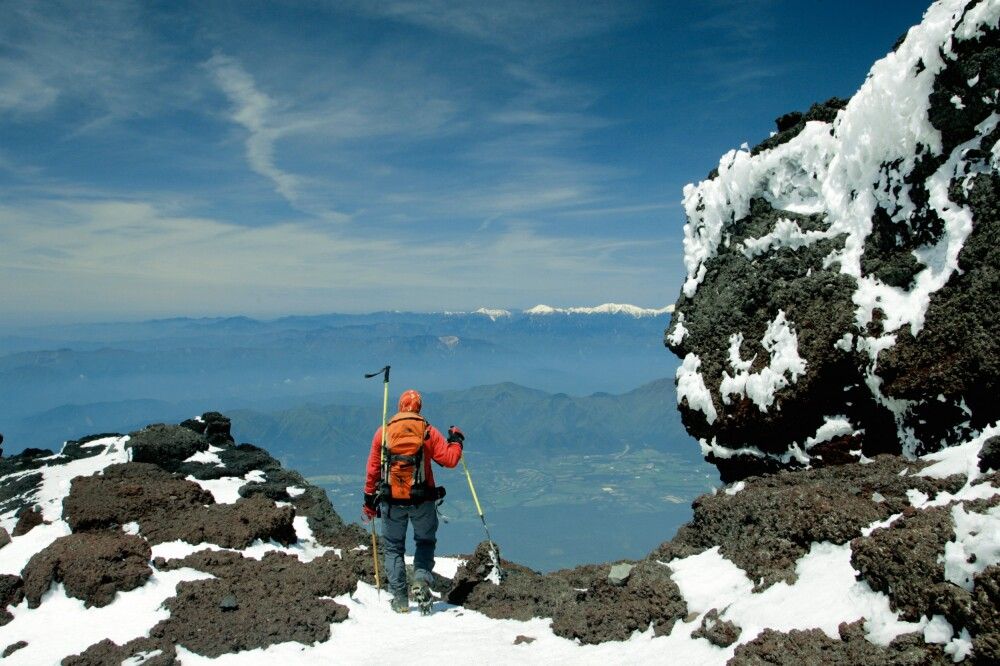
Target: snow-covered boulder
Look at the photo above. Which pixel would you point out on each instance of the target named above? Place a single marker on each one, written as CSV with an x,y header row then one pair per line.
x,y
841,284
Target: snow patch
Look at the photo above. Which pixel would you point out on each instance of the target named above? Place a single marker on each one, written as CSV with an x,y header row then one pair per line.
x,y
785,367
677,336
691,387
606,308
227,489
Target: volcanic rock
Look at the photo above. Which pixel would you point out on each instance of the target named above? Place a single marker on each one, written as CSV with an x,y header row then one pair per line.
x,y
93,567
12,648
989,455
28,518
523,595
815,647
11,594
168,509
129,492
835,305
279,599
607,612
721,633
165,445
766,527
154,653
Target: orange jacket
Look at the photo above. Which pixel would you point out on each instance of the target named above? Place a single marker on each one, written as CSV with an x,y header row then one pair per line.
x,y
436,448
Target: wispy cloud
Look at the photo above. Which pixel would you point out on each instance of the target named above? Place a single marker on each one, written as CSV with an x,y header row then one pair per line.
x,y
97,252
514,24
254,110
735,57
99,60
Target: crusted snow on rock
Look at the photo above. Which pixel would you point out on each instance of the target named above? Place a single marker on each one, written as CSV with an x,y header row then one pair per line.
x,y
833,426
867,166
677,336
691,387
226,490
787,233
781,342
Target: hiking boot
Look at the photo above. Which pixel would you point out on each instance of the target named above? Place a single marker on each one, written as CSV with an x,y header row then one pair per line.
x,y
400,603
421,593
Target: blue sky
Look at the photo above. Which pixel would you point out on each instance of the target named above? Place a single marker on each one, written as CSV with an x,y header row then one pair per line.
x,y
269,158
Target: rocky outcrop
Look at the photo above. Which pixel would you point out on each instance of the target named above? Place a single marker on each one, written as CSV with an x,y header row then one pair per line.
x,y
11,594
28,518
145,651
598,611
718,632
92,567
165,445
841,276
815,647
765,527
239,608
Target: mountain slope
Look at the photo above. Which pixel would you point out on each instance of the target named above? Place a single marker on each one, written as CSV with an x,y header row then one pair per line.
x,y
174,545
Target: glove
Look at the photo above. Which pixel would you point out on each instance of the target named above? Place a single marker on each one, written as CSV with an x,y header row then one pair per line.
x,y
455,436
370,508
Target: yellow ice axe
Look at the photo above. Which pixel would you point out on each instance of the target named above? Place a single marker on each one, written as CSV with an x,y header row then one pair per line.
x,y
385,409
494,553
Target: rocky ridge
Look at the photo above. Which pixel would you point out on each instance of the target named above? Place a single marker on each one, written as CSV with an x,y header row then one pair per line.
x,y
839,300
235,572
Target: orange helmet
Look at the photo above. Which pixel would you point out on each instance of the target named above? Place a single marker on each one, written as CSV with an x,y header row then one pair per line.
x,y
410,401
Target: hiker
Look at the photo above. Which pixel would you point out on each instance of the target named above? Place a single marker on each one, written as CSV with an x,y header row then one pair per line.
x,y
409,495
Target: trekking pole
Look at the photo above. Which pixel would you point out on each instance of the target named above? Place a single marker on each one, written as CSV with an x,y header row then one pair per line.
x,y
385,408
495,555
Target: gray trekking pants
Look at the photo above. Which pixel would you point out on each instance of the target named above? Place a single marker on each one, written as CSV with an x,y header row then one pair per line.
x,y
425,523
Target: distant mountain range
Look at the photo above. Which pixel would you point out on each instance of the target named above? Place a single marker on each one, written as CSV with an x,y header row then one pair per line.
x,y
272,364
503,422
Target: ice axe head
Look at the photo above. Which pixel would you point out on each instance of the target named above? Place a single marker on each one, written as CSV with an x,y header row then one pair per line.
x,y
383,371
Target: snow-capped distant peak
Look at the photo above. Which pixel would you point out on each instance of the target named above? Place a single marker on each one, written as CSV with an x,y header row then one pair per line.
x,y
493,313
606,308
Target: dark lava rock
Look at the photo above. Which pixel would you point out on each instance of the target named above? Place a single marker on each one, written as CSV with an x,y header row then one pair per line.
x,y
4,537
228,525
12,648
766,527
165,445
523,595
815,647
984,617
791,124
606,612
600,612
236,461
168,508
11,594
28,518
722,633
129,492
521,639
161,653
902,560
214,426
280,599
989,456
948,370
93,567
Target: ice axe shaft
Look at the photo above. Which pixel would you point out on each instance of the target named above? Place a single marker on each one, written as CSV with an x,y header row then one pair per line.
x,y
385,408
475,498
